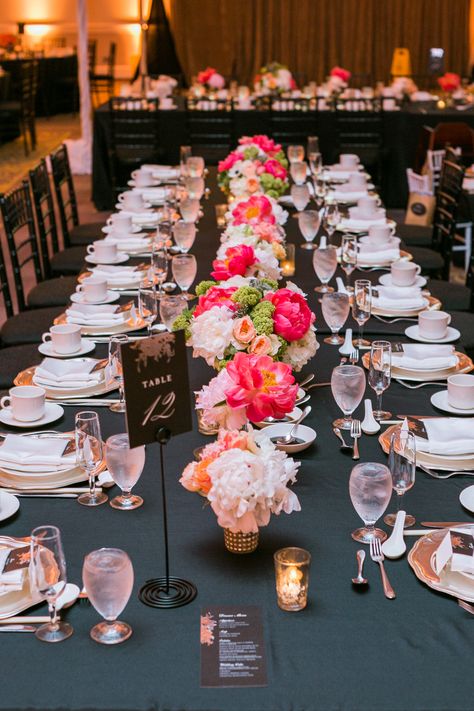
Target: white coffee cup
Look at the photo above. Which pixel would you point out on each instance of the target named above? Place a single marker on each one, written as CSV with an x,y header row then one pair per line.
x,y
131,200
143,177
433,324
104,252
358,180
65,338
368,204
349,160
93,289
27,402
404,273
166,102
461,391
120,222
379,234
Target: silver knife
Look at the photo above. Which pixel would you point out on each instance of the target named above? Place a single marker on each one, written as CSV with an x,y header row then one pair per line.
x,y
18,628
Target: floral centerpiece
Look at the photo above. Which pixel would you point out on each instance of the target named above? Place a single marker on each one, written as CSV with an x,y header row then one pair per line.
x,y
258,164
403,88
274,78
254,235
210,79
253,316
449,82
247,261
337,80
245,478
255,211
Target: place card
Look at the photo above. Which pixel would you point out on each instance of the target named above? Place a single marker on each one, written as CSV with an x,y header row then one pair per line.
x,y
156,386
17,559
232,647
458,547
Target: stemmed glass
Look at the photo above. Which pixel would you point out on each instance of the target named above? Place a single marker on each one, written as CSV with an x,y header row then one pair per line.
x,y
184,154
335,308
184,234
195,187
300,196
107,575
312,145
320,190
125,465
115,369
170,308
380,371
332,218
48,577
184,268
295,153
148,304
159,267
195,166
315,163
402,465
348,387
325,264
89,454
348,256
362,307
309,222
299,171
370,489
189,209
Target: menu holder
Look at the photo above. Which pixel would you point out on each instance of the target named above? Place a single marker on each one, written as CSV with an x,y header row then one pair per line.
x,y
156,386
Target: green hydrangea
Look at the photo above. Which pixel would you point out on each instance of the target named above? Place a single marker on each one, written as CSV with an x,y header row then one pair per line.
x,y
281,158
250,153
204,286
182,323
246,296
261,316
283,347
270,283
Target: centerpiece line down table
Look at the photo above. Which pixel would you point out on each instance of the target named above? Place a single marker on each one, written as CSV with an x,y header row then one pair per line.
x,y
346,650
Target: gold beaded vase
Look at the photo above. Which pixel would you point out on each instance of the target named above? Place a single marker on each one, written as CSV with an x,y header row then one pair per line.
x,y
239,542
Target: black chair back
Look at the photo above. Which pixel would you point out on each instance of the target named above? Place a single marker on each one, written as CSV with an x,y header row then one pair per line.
x,y
359,127
17,214
65,193
292,120
210,131
448,197
45,216
28,90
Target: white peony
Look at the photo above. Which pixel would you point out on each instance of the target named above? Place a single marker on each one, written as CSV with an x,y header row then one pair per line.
x,y
268,265
211,333
300,352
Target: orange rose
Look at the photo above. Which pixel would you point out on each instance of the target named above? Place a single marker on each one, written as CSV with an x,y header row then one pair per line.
x,y
261,345
253,185
244,330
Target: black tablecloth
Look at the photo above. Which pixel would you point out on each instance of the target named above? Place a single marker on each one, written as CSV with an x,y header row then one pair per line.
x,y
401,132
349,649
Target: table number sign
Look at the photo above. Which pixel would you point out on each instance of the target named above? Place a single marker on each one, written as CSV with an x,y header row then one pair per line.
x,y
156,385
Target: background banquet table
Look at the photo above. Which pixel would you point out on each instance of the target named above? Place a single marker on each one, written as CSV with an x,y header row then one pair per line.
x,y
401,131
349,649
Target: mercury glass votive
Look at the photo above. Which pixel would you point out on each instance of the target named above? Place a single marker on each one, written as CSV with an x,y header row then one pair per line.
x,y
292,578
220,215
288,263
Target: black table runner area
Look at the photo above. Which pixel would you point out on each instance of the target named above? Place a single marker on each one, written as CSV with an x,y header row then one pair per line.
x,y
348,650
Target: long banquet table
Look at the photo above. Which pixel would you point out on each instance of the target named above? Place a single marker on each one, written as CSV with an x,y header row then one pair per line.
x,y
349,649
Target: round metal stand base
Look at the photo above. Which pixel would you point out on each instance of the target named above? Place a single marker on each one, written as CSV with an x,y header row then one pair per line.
x,y
180,592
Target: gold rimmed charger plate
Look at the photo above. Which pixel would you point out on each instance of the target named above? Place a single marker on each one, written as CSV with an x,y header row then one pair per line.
x,y
25,483
25,377
405,256
124,327
123,286
434,461
420,559
341,228
465,365
433,304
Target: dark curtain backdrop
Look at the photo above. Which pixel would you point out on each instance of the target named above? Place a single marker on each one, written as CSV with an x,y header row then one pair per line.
x,y
311,36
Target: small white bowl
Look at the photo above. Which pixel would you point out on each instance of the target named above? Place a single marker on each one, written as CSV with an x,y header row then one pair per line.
x,y
290,418
303,432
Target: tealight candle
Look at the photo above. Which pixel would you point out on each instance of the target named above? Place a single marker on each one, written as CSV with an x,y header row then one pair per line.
x,y
220,215
288,263
292,578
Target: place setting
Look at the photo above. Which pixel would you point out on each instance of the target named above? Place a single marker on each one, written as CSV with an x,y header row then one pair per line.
x,y
65,341
102,319
66,379
118,278
365,214
105,251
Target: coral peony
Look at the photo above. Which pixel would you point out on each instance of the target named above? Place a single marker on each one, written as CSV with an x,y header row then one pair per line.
x,y
342,74
292,316
449,82
228,161
273,167
216,296
244,330
238,260
253,211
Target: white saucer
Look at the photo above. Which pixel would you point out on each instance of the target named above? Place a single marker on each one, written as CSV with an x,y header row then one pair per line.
x,y
78,298
146,206
153,184
52,413
86,347
452,335
440,400
466,497
386,280
108,229
119,259
9,505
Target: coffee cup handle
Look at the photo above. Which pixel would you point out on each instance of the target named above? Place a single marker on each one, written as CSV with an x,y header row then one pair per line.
x,y
449,319
5,401
46,337
135,173
109,220
80,288
90,249
418,269
121,197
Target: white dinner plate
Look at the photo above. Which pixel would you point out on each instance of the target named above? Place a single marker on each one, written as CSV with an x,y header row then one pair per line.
x,y
108,229
440,400
86,347
466,497
9,505
52,412
78,298
413,332
154,184
119,259
386,280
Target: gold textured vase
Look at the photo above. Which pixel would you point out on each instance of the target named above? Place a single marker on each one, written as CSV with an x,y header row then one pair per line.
x,y
240,542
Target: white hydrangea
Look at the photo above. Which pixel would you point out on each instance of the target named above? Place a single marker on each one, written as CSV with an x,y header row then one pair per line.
x,y
300,352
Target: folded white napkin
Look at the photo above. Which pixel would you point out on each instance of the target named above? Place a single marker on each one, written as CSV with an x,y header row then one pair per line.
x,y
164,172
72,373
368,247
341,195
402,298
424,356
447,436
151,192
38,455
12,581
133,243
96,315
350,223
118,274
383,256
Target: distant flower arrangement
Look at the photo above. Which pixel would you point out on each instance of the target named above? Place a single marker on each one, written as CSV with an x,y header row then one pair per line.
x,y
255,211
8,42
258,164
211,79
340,73
449,82
274,78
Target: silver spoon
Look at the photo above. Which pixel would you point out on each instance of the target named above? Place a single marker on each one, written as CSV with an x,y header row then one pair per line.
x,y
360,580
290,437
306,380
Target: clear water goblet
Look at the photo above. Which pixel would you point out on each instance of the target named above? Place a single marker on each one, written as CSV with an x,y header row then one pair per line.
x,y
300,196
320,190
335,308
115,369
309,222
184,154
348,256
195,166
380,373
295,153
348,388
184,234
325,265
370,489
172,306
194,187
189,209
402,465
184,269
89,454
125,465
299,171
332,218
148,304
362,308
159,268
315,163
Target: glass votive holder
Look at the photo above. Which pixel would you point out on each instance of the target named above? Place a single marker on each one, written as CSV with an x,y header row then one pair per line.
x,y
288,263
292,578
220,215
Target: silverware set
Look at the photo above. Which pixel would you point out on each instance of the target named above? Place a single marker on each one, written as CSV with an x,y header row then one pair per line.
x,y
446,475
355,433
436,383
378,557
394,320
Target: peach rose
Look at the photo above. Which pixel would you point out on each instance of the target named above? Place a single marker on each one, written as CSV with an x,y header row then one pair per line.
x,y
244,330
253,186
261,345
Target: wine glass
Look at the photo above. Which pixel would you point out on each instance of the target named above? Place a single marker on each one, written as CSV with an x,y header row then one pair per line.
x,y
148,304
298,171
402,465
107,575
159,267
115,369
320,190
184,154
125,465
335,308
163,236
308,222
184,234
312,145
380,371
315,163
325,264
170,308
184,269
295,153
362,307
347,387
189,209
300,196
370,489
48,577
89,454
332,218
194,187
348,255
195,166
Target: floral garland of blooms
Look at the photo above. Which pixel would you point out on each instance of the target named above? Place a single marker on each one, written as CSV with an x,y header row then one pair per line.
x,y
257,165
245,478
211,79
274,78
449,82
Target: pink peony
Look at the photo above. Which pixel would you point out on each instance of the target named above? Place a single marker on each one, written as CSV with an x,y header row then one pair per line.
x,y
237,261
253,211
267,145
264,387
229,161
342,74
269,233
215,297
275,168
292,316
449,82
216,81
204,76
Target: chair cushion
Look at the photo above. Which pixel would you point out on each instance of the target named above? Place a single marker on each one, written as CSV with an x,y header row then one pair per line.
x,y
29,326
415,235
452,296
69,261
15,359
52,292
430,261
86,233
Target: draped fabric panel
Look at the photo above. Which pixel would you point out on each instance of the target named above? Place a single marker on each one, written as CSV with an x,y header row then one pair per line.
x,y
311,36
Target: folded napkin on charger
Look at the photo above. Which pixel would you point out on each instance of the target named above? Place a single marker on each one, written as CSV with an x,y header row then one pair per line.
x,y
133,243
381,256
74,373
35,454
447,436
341,195
349,223
368,247
163,172
13,580
118,274
424,356
403,298
97,315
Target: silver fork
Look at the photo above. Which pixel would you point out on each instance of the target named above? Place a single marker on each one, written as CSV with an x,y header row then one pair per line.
x,y
354,356
355,434
378,557
394,320
436,475
420,385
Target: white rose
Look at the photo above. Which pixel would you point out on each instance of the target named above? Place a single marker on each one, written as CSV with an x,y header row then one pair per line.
x,y
211,333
